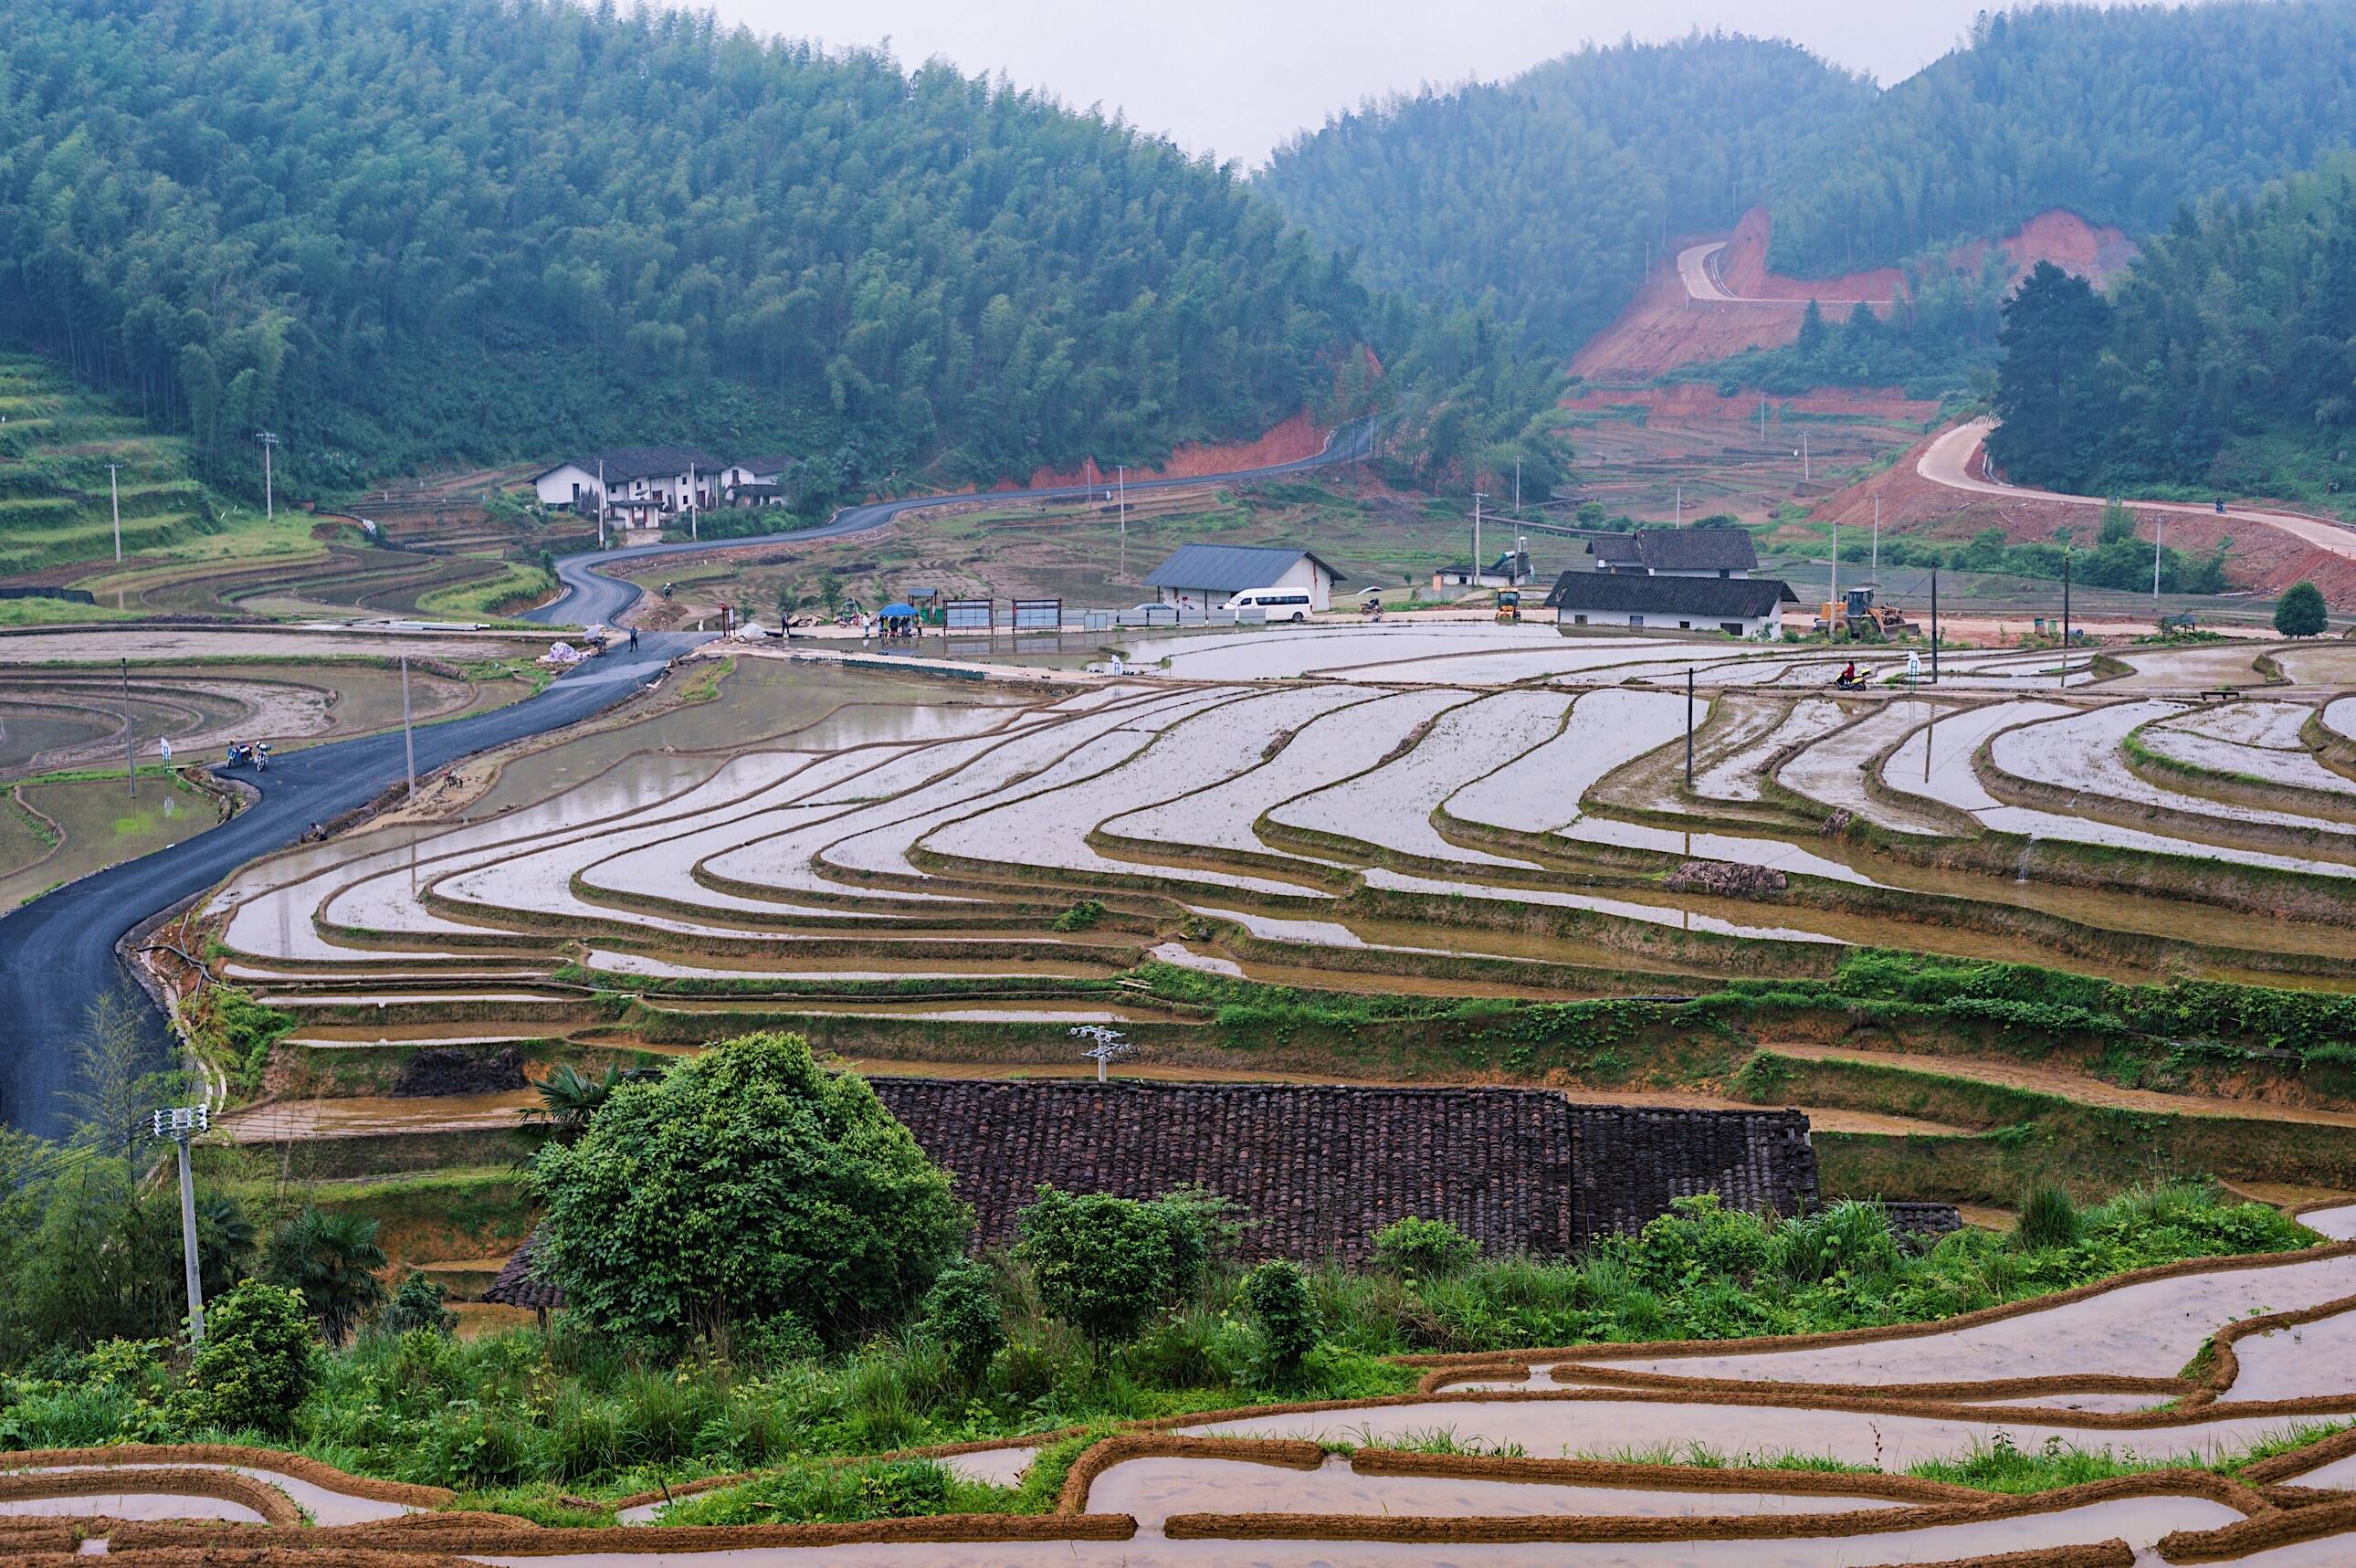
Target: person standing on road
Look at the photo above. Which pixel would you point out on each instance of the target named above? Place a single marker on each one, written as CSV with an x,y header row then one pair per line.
x,y
634,640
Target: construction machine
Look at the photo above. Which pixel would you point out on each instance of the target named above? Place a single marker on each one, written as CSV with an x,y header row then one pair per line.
x,y
1857,614
1509,606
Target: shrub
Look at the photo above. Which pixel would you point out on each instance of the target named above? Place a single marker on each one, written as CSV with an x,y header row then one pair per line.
x,y
2300,612
2049,1218
417,1304
1104,1265
254,1365
332,1258
746,1182
1428,1249
962,1315
1084,916
1278,1297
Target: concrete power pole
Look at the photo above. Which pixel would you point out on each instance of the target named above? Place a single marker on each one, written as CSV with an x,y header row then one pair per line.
x,y
600,503
407,739
1477,497
269,502
1124,471
130,735
693,531
2157,520
1876,540
181,1124
114,497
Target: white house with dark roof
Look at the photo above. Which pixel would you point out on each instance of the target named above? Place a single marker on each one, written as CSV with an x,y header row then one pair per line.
x,y
758,481
1203,577
658,480
1676,552
1737,606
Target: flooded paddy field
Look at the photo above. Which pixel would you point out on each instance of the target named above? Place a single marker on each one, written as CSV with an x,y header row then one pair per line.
x,y
1284,861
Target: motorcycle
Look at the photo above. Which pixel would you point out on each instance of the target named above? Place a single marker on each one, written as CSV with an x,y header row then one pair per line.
x,y
261,757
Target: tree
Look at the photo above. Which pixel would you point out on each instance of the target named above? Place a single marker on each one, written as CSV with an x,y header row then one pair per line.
x,y
1106,1265
1277,1295
330,1259
417,1304
745,1183
2300,612
962,1315
254,1367
2051,403
119,1074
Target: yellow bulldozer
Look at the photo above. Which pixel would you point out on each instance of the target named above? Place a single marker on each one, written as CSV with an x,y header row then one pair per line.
x,y
1509,606
1863,620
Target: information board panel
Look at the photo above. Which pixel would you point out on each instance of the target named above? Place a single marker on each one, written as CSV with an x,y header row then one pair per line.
x,y
1038,615
970,615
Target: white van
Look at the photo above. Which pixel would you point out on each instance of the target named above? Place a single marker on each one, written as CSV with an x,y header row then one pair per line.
x,y
1281,604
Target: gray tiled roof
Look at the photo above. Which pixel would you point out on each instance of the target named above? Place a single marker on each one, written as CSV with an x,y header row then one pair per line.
x,y
1699,598
1227,568
1681,549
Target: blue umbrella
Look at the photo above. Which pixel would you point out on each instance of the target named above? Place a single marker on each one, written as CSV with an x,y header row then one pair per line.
x,y
903,609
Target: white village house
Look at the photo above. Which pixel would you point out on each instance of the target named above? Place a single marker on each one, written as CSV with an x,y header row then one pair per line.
x,y
758,481
1737,606
1201,577
639,485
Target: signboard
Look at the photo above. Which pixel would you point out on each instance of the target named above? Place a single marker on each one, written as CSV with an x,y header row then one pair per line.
x,y
1038,615
970,615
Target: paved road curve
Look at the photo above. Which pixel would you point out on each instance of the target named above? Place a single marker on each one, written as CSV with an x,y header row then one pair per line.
x,y
591,596
57,953
1950,459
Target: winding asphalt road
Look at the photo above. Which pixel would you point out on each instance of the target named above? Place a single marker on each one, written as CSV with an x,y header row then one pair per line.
x,y
57,953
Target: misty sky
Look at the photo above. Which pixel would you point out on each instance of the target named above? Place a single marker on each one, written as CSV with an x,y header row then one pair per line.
x,y
1236,77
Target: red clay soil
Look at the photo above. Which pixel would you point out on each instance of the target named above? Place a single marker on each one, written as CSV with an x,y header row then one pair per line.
x,y
1665,327
1299,436
2264,559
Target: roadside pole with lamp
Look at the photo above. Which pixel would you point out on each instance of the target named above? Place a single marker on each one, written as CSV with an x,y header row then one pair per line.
x,y
181,1124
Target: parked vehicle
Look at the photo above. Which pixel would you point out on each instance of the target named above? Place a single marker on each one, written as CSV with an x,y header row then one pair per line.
x,y
1281,604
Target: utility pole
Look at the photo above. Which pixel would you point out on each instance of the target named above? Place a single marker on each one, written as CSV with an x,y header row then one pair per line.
x,y
1934,630
2157,520
1763,422
407,739
181,1124
1122,469
1834,619
1477,496
1678,519
1108,1043
114,496
1804,475
2065,616
692,531
1690,725
269,503
130,735
1517,490
600,503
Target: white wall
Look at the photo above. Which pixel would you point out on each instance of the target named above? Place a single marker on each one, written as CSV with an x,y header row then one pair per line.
x,y
1656,621
557,487
1303,577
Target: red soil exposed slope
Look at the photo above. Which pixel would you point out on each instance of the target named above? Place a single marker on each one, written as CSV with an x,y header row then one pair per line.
x,y
1667,325
1299,436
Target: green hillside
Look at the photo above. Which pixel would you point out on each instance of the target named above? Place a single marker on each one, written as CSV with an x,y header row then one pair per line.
x,y
55,443
483,231
1546,194
2224,361
1551,192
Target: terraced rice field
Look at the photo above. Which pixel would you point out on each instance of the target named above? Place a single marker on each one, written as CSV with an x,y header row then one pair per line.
x,y
989,868
1767,1452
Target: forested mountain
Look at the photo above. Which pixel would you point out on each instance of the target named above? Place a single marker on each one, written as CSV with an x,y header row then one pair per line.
x,y
2226,358
1549,192
1552,191
437,230
2119,114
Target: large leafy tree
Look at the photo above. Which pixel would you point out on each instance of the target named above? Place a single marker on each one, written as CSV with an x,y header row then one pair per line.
x,y
2047,391
746,1183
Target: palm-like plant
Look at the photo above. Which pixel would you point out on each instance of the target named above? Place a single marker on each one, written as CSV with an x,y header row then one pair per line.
x,y
570,1098
332,1258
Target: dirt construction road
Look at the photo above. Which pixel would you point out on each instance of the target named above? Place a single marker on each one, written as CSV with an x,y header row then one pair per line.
x,y
1952,460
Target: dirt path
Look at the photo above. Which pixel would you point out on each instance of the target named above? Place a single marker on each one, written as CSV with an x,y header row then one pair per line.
x,y
2081,1087
1952,460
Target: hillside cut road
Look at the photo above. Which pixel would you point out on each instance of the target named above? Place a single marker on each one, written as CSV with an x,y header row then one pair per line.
x,y
1951,459
1698,269
591,596
57,953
